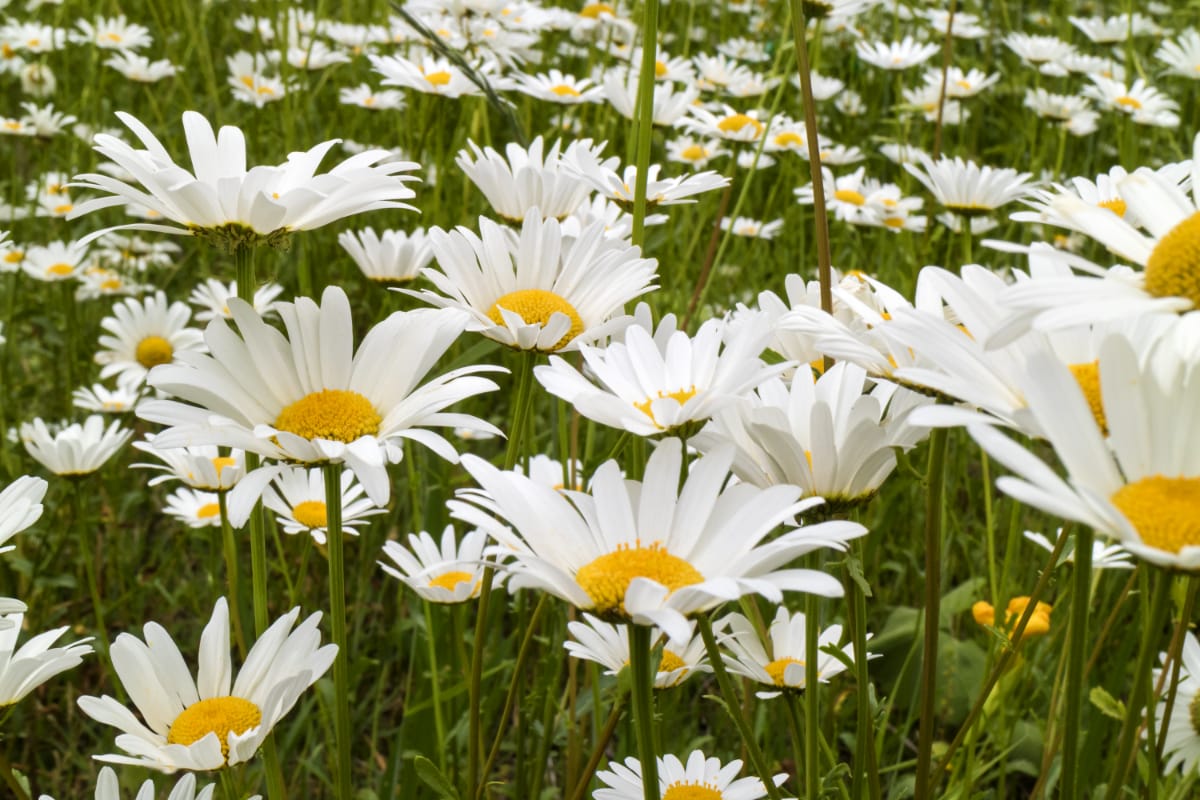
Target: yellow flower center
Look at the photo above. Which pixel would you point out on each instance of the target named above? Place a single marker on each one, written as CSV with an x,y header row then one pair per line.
x,y
60,269
536,306
778,667
670,661
894,222
440,78
965,85
562,90
691,791
110,284
1088,378
63,208
221,462
219,715
694,152
1128,102
334,414
14,256
154,350
310,514
208,511
606,578
113,36
1173,269
1116,205
595,10
850,196
450,580
680,396
660,69
1164,511
789,139
737,122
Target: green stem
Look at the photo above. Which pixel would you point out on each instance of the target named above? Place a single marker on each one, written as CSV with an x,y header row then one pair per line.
x,y
733,706
598,751
1080,594
10,778
229,545
435,677
90,557
1159,602
812,693
935,481
866,767
1185,618
796,725
642,668
644,119
337,613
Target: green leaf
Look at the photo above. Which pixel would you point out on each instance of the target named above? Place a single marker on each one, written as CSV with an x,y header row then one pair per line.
x,y
1108,705
855,571
432,777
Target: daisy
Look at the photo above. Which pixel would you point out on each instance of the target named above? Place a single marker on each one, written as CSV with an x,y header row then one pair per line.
x,y
143,334
113,33
962,84
650,552
45,120
1038,51
670,102
297,496
608,645
211,721
451,573
537,290
526,178
1183,726
557,87
194,508
650,387
364,96
729,124
700,777
1182,55
1116,29
782,664
752,228
212,297
107,788
103,400
78,449
694,152
308,396
139,68
602,177
25,668
314,54
228,203
393,259
56,261
198,466
1140,484
1071,111
430,75
20,507
1104,556
1144,104
718,71
968,189
895,55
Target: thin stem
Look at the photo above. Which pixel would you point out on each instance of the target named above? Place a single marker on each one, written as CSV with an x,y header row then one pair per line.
x,y
10,777
642,670
644,124
1181,627
439,725
598,751
796,726
1080,600
812,694
337,613
866,767
229,545
729,695
947,50
935,481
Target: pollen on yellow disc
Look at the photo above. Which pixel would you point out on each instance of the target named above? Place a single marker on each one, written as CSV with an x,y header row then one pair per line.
x,y
606,578
694,152
736,122
894,222
536,306
14,256
110,284
1128,102
63,208
440,78
789,138
660,69
1087,375
691,791
963,85
248,81
154,350
1164,511
562,90
221,462
778,667
1116,205
334,414
310,514
670,662
595,10
208,511
850,196
219,715
1173,269
450,580
59,269
680,396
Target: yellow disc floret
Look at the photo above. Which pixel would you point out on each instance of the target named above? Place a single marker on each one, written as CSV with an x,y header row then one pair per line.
x,y
1115,205
1173,269
606,578
450,580
778,668
334,414
691,791
311,514
1164,511
219,715
850,196
154,350
1088,377
563,90
680,396
440,78
735,123
535,307
208,511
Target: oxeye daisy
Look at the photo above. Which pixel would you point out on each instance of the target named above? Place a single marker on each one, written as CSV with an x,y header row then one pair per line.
x,y
141,334
139,68
781,664
557,87
210,721
103,400
1104,556
1182,55
602,177
966,188
308,396
729,124
650,552
895,55
364,96
608,645
24,668
752,228
699,779
113,33
198,466
78,449
297,496
212,296
1182,728
430,75
391,259
449,572
1038,51
671,103
20,507
227,203
55,261
694,152
107,788
1144,104
1071,111
194,508
537,289
527,178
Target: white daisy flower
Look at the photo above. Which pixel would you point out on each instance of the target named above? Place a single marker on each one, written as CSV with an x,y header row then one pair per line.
x,y
730,124
364,96
700,777
537,290
557,87
670,102
212,296
224,199
107,788
194,508
143,334
310,397
1183,726
527,178
1115,29
752,228
650,552
451,573
297,496
210,721
20,507
103,400
602,177
784,667
24,668
141,69
56,261
1144,104
430,75
608,645
966,188
1038,51
896,55
78,449
113,33
198,466
1071,111
1182,55
1104,556
393,259
718,71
